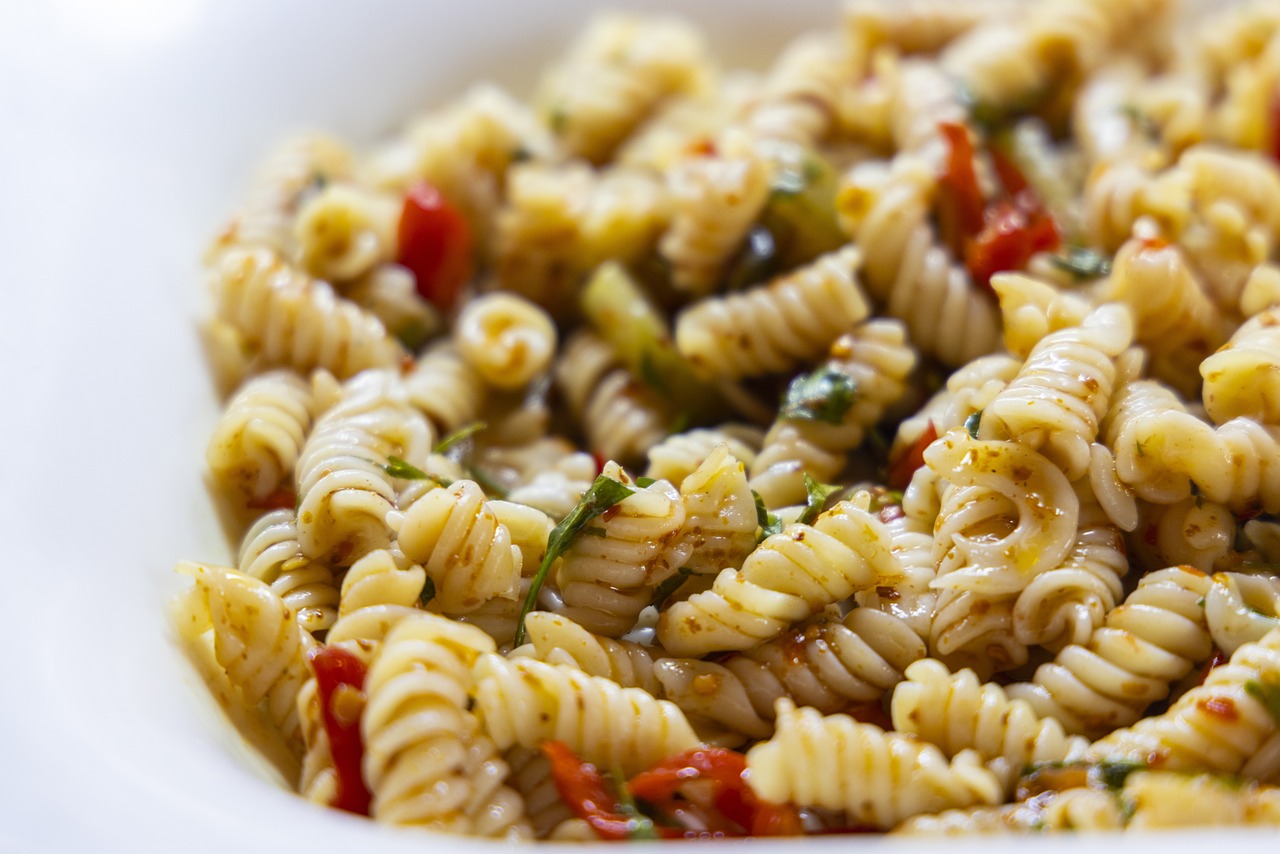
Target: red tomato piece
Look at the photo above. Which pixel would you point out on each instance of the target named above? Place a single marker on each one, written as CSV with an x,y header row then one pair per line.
x,y
1011,177
961,198
1013,233
904,467
338,670
435,245
586,792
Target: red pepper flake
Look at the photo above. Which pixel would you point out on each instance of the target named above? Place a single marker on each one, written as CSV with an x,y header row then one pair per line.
x,y
435,245
338,674
904,467
1218,659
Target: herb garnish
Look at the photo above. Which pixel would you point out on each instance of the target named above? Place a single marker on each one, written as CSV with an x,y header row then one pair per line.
x,y
816,495
459,435
397,467
972,423
603,494
639,825
1082,262
1267,693
670,585
824,395
769,523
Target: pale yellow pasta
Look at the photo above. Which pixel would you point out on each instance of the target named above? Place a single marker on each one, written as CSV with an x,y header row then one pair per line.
x,y
526,702
271,553
343,231
506,339
259,436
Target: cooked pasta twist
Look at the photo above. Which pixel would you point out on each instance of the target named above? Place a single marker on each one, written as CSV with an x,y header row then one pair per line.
x,y
293,320
256,640
917,26
613,77
1240,609
465,550
271,553
836,763
445,388
425,761
556,639
526,702
825,663
1141,648
1061,393
1031,309
1071,810
607,580
531,777
343,231
379,579
789,577
799,98
1065,604
506,339
958,712
1009,516
886,211
1191,532
772,328
1162,449
878,359
1216,726
1239,380
1166,799
679,454
1175,320
344,493
259,436
621,416
719,528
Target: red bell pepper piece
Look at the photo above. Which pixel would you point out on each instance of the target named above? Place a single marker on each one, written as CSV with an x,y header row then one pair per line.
x,y
587,793
961,198
337,669
1012,234
904,467
435,245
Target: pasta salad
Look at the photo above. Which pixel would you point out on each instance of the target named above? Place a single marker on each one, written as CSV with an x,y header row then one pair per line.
x,y
885,442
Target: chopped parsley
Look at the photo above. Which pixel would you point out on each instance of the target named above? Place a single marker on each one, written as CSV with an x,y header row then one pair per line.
x,y
458,436
663,591
603,494
1082,263
816,495
1267,693
824,395
769,523
397,467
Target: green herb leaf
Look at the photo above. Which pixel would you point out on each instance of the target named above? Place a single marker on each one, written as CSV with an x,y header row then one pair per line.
x,y
640,826
459,435
645,482
595,531
816,495
824,395
1113,772
397,467
603,494
972,423
1267,693
769,523
428,592
1082,263
670,585
649,373
1142,122
756,261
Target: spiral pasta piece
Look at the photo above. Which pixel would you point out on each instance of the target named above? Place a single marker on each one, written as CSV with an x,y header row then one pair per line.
x,y
886,211
825,663
344,493
678,455
614,76
1078,810
621,416
256,640
272,554
878,360
916,26
378,579
789,577
425,761
259,436
527,702
607,580
506,339
1241,609
719,528
836,763
293,320
1216,726
1061,394
799,99
1141,648
343,231
773,328
444,387
556,639
957,712
1239,380
468,554
715,200
544,808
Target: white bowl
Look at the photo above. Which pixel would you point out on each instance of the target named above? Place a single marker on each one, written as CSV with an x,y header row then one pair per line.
x,y
129,132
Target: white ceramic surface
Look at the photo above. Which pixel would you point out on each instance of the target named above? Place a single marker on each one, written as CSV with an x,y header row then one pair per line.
x,y
127,131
